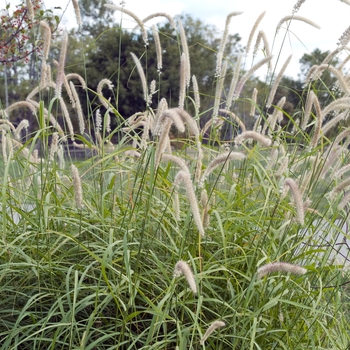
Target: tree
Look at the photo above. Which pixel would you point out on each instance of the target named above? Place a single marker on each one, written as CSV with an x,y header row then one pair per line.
x,y
95,17
20,50
17,30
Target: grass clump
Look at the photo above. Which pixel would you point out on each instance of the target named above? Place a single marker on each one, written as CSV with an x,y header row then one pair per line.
x,y
139,245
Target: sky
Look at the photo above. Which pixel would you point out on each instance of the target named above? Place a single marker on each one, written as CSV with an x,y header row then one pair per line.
x,y
333,16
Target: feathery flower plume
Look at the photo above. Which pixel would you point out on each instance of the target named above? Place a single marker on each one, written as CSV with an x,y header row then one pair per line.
x,y
318,125
248,74
315,70
30,9
218,91
187,65
67,117
345,201
51,118
346,2
170,158
43,74
174,116
253,103
332,154
158,49
47,39
163,140
182,93
340,137
276,83
78,191
213,326
262,36
340,103
193,128
186,118
298,201
9,124
107,122
253,32
313,73
220,159
162,106
272,119
61,62
283,167
297,6
234,81
344,62
272,160
67,87
98,120
77,12
331,55
265,141
344,184
24,124
182,268
152,90
131,14
223,42
333,122
78,77
138,124
184,177
337,174
297,18
212,123
176,205
345,38
280,267
197,100
54,146
146,129
234,118
308,107
78,108
160,14
39,88
24,151
20,104
142,76
100,86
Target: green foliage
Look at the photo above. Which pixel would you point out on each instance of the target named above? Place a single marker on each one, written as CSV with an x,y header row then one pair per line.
x,y
88,261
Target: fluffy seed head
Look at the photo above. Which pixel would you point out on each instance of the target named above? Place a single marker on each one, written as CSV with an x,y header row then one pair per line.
x,y
182,268
215,325
78,191
280,267
297,199
77,12
61,62
184,177
298,18
265,141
